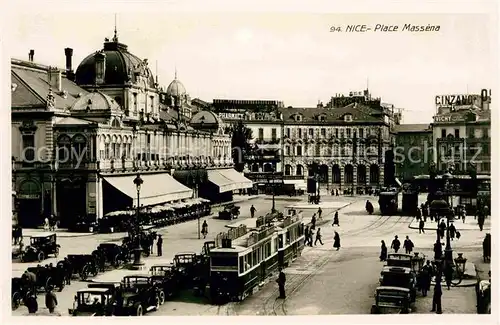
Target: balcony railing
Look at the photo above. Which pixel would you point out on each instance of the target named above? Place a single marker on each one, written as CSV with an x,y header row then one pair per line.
x,y
268,141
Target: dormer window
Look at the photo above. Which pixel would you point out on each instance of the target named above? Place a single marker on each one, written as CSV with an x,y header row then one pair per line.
x,y
348,118
322,118
298,118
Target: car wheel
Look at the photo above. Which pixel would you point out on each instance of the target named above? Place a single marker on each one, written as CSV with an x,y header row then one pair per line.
x,y
56,252
16,300
138,310
161,295
40,256
157,302
116,260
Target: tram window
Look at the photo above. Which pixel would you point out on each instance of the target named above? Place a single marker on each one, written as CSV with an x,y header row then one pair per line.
x,y
254,258
280,241
242,264
288,237
224,261
249,261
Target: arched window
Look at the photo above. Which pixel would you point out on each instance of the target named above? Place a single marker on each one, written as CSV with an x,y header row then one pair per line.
x,y
268,168
255,168
80,149
348,174
336,174
288,170
374,174
361,174
299,170
64,149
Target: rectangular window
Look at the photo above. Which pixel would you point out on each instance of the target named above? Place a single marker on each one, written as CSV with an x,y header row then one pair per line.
x,y
342,133
288,150
336,133
287,132
361,133
242,264
135,103
311,132
273,134
323,132
261,133
348,132
443,133
29,147
300,133
152,101
457,133
299,150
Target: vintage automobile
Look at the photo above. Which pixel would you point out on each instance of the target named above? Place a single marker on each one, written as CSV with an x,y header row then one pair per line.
x,y
41,245
48,276
94,302
82,264
113,254
185,266
399,277
140,294
401,260
389,299
167,279
230,212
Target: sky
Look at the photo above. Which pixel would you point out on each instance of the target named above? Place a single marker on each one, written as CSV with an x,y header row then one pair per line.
x,y
287,56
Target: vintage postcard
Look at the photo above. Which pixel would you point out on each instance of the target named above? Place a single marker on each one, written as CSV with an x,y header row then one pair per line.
x,y
250,161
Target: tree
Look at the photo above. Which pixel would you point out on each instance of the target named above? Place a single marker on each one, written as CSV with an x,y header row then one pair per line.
x,y
240,144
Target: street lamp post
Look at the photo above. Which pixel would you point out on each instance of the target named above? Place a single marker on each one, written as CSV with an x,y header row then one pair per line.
x,y
138,181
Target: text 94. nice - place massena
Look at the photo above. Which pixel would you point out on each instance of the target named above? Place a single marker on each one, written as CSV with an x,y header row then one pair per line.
x,y
385,28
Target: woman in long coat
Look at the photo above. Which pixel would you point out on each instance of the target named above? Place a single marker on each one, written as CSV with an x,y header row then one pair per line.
x,y
336,241
383,251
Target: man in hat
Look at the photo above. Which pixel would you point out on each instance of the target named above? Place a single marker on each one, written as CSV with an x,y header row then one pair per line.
x,y
281,283
50,300
396,244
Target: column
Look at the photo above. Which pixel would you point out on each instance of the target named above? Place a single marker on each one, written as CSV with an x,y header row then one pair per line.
x,y
341,176
330,174
99,198
355,175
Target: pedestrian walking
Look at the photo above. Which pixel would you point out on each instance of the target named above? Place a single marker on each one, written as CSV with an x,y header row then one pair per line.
x,y
319,213
383,251
336,219
421,226
336,192
336,240
281,280
46,224
438,250
436,298
50,300
408,245
31,303
448,274
418,214
252,211
159,246
313,221
396,244
68,270
318,237
311,236
480,221
426,276
369,207
452,231
204,229
306,235
442,229
29,279
463,215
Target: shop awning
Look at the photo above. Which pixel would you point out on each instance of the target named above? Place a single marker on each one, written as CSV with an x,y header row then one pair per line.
x,y
224,183
238,178
156,188
298,183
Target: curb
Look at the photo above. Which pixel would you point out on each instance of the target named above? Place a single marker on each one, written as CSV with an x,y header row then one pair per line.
x,y
434,229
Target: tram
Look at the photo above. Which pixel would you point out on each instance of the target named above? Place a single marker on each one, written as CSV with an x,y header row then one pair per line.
x,y
243,262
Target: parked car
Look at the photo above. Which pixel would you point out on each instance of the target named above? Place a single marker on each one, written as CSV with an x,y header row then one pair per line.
x,y
389,299
230,212
167,279
399,277
94,302
82,264
140,294
48,276
41,245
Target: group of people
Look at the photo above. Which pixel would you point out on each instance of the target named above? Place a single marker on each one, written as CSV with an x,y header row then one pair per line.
x,y
396,245
309,231
51,223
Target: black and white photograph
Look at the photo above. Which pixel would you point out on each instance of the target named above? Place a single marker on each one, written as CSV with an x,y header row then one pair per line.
x,y
169,160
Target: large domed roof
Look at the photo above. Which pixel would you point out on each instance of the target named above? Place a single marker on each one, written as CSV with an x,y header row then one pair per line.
x,y
121,66
95,101
176,88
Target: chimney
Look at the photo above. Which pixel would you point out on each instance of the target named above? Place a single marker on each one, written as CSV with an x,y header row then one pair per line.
x,y
55,79
31,55
69,69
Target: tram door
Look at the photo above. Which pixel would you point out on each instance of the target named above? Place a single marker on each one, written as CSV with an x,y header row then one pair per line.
x,y
281,252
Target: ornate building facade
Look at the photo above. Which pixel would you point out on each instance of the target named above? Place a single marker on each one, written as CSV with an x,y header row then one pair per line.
x,y
413,155
79,139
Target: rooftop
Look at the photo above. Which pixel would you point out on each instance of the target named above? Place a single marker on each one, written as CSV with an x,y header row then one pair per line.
x,y
423,127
